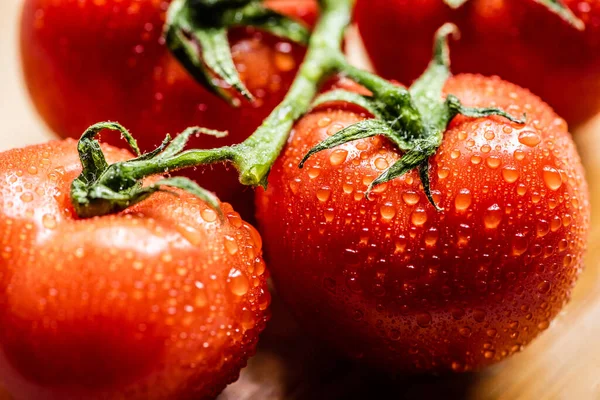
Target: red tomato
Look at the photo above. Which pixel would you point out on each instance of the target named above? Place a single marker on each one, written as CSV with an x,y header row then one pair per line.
x,y
405,287
520,40
162,301
89,61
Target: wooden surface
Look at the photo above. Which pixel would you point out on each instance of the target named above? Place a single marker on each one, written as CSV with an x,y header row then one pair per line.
x,y
564,363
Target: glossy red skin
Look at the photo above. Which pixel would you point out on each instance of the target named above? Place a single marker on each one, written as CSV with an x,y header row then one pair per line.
x,y
392,281
161,301
89,61
519,40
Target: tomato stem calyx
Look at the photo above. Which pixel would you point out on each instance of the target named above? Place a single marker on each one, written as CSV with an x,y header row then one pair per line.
x,y
413,119
196,32
103,189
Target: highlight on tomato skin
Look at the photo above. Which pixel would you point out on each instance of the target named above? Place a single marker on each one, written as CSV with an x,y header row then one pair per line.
x,y
403,287
90,61
515,39
161,301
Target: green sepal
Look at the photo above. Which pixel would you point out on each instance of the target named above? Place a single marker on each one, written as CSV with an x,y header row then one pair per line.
x,y
414,120
360,130
103,189
196,32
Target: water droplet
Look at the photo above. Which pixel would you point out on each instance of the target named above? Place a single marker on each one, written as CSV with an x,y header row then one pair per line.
x,y
544,287
519,244
555,224
49,221
492,217
247,319
419,217
519,155
529,138
552,178
465,331
348,188
231,245
381,164
32,170
323,122
323,194
479,315
423,319
190,233
27,197
314,172
457,313
543,325
338,156
284,62
543,227
208,215
329,215
463,200
510,174
521,189
489,135
387,211
491,332
443,172
489,354
455,154
238,282
410,198
431,237
493,162
476,160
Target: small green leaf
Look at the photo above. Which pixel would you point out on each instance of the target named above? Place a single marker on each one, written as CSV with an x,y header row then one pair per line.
x,y
559,8
216,54
180,141
424,175
346,96
257,15
456,107
360,130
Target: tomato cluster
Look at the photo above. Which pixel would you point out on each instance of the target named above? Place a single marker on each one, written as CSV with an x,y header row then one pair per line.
x,y
439,227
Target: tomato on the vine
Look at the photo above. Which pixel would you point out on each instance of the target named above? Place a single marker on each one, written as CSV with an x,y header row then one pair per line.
x,y
519,40
161,301
391,280
89,61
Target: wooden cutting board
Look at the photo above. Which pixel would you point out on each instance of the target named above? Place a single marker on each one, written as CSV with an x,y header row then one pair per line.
x,y
564,363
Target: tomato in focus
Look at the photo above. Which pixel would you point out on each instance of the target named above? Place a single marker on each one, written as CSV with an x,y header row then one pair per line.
x,y
394,282
88,61
161,301
519,40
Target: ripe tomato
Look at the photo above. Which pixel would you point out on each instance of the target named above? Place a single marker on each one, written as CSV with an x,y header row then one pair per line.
x,y
88,61
161,301
405,287
515,39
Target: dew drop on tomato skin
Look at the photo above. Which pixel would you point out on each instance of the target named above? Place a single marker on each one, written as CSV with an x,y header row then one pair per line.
x,y
131,292
498,240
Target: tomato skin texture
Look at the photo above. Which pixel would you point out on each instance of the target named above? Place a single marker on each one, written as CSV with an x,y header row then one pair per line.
x,y
161,301
406,288
88,61
515,39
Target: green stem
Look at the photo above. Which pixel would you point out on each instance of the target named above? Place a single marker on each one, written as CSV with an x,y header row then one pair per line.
x,y
255,156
